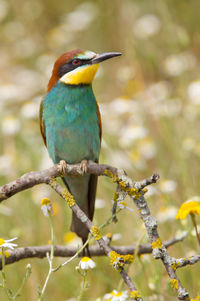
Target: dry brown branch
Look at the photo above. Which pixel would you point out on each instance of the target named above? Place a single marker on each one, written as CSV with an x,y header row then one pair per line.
x,y
64,251
33,178
93,229
181,262
136,192
159,250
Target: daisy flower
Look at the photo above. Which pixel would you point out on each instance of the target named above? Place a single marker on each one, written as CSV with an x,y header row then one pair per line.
x,y
86,263
46,207
116,296
7,243
72,239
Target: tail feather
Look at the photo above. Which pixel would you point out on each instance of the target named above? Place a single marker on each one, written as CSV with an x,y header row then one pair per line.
x,y
83,189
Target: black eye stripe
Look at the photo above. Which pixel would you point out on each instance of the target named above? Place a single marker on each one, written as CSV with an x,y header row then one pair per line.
x,y
69,66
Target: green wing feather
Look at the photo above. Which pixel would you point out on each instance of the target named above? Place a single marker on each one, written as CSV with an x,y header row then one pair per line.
x,y
41,121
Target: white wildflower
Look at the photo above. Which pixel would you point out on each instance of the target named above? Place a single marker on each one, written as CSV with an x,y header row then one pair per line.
x,y
10,125
193,92
188,144
100,203
166,214
176,64
46,207
7,243
167,186
30,110
130,134
86,263
116,296
116,236
146,26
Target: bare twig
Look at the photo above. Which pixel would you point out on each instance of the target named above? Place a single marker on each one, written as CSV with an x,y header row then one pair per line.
x,y
181,262
93,230
33,178
159,250
63,251
135,190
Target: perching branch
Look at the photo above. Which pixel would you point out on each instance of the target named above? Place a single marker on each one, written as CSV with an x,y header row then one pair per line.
x,y
33,178
135,190
64,251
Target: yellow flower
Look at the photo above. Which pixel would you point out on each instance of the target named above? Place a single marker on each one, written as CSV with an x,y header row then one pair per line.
x,y
109,235
71,239
196,299
69,236
56,209
187,208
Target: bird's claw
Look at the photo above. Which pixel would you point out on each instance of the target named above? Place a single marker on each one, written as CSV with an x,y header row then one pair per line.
x,y
83,166
62,166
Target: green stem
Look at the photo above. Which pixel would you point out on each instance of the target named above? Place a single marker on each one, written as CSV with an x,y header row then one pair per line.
x,y
109,220
75,255
3,269
83,286
195,227
28,273
52,237
50,258
3,285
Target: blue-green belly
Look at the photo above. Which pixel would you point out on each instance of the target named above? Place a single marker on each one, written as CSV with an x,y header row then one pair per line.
x,y
71,123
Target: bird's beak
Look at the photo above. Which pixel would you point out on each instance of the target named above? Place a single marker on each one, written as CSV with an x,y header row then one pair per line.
x,y
104,56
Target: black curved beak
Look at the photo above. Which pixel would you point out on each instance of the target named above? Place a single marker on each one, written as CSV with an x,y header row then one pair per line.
x,y
104,56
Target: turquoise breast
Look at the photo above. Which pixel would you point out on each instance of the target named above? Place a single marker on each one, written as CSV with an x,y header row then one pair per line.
x,y
71,123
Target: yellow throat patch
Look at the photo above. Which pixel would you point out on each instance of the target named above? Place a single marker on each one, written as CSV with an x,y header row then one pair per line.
x,y
81,75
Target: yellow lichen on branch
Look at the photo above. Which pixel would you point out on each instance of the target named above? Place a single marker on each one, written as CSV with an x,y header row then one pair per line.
x,y
135,295
157,244
174,283
68,197
96,232
118,261
175,265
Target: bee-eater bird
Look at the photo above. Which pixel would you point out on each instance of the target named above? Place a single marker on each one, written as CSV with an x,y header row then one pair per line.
x,y
70,124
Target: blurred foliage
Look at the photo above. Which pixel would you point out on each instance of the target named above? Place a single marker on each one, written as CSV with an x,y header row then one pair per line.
x,y
150,104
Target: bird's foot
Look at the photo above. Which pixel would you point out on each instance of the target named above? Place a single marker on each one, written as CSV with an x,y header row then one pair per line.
x,y
62,166
83,166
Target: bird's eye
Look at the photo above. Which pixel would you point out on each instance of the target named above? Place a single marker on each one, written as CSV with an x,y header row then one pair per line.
x,y
76,62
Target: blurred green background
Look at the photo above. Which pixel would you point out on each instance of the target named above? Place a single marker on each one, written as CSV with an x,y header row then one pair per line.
x,y
150,104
